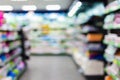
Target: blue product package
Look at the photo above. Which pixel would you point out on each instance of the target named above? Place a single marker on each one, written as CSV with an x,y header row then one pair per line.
x,y
11,74
3,57
4,36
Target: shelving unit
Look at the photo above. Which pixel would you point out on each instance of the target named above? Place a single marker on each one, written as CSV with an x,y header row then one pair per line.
x,y
51,43
12,53
112,40
89,55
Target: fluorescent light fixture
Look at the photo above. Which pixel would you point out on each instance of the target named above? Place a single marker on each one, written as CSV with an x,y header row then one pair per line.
x,y
18,0
6,8
29,8
53,7
74,9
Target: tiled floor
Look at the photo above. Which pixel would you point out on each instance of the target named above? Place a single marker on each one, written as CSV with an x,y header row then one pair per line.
x,y
51,68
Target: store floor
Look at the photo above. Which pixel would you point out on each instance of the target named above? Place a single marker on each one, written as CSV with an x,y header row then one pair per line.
x,y
51,68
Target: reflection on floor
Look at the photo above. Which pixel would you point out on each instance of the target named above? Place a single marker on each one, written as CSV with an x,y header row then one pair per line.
x,y
51,68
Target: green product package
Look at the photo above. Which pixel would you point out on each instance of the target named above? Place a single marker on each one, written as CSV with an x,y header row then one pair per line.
x,y
117,62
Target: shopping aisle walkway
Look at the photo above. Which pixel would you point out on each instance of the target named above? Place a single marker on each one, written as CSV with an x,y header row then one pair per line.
x,y
51,68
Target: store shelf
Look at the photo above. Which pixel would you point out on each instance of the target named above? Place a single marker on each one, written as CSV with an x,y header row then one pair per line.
x,y
8,40
8,30
114,77
8,60
86,41
93,32
112,44
115,11
99,50
21,73
11,49
16,64
113,27
88,77
11,67
94,77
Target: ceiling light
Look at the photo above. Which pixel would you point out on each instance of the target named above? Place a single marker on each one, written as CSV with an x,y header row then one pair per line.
x,y
29,8
53,7
6,8
74,9
18,0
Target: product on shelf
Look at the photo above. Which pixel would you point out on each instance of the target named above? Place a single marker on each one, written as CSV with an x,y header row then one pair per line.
x,y
88,28
113,6
94,37
112,21
95,47
8,36
12,69
109,53
95,55
112,40
16,71
108,78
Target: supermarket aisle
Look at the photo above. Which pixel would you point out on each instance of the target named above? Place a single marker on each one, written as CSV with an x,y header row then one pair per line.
x,y
51,68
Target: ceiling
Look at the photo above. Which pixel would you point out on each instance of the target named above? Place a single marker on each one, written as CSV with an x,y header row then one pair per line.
x,y
41,4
